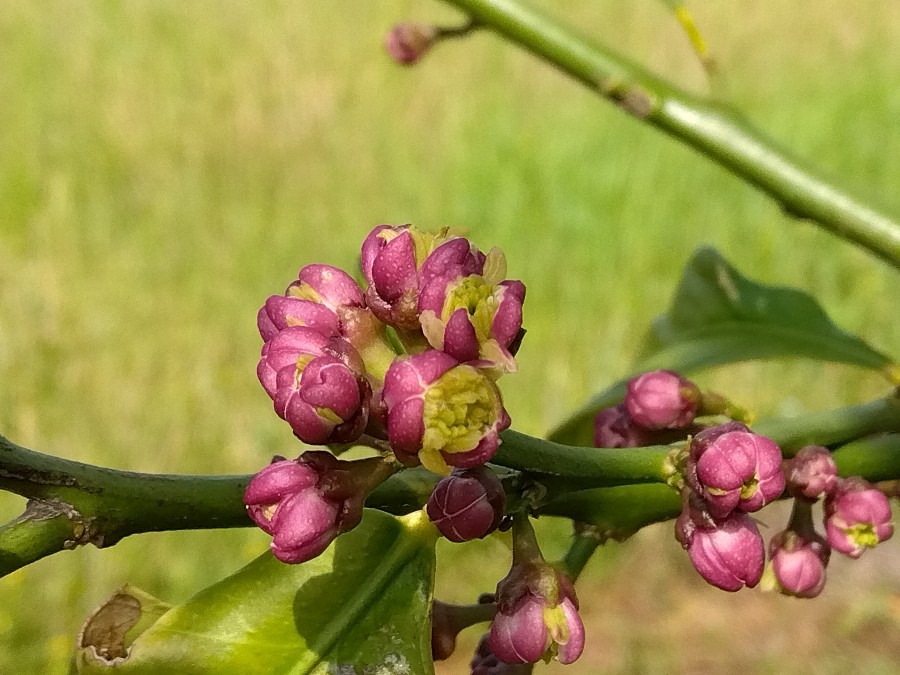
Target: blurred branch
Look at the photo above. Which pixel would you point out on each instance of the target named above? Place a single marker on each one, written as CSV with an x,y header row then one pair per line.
x,y
710,127
617,490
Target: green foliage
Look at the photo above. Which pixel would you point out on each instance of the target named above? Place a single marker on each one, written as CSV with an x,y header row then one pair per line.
x,y
719,317
363,605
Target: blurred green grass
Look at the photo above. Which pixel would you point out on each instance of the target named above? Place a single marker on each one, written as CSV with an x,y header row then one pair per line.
x,y
165,166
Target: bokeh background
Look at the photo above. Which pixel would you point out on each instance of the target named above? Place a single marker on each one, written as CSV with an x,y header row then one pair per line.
x,y
164,166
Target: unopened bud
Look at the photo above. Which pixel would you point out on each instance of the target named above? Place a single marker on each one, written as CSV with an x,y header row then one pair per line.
x,y
812,473
409,42
468,504
729,556
662,399
799,563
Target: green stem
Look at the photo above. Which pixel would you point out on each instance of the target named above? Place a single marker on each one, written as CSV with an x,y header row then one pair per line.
x,y
832,427
876,458
595,466
709,127
585,542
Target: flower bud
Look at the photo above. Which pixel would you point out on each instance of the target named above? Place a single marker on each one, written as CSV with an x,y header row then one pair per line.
x,y
446,413
537,616
614,428
409,42
468,504
398,261
734,469
730,555
799,563
284,501
662,399
857,517
812,473
305,503
317,383
474,317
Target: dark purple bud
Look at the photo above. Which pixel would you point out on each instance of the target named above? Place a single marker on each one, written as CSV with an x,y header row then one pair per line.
x,y
703,439
614,428
729,556
468,504
735,470
857,517
317,383
409,42
799,563
662,399
447,414
812,473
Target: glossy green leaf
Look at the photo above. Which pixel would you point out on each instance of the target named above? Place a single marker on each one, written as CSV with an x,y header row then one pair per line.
x,y
363,606
718,317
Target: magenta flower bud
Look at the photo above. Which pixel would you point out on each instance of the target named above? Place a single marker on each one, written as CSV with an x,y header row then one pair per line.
x,y
475,317
734,470
327,285
662,399
729,556
409,42
305,503
534,625
283,500
398,261
447,414
857,517
281,311
614,428
812,473
468,504
317,383
799,563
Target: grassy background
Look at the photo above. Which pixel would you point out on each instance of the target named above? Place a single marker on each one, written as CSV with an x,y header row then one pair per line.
x,y
164,166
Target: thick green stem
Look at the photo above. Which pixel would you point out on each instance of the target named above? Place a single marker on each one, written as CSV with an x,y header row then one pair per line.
x,y
876,458
832,427
585,541
709,127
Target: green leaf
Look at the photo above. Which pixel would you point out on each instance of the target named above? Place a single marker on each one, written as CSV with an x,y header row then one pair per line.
x,y
363,606
718,317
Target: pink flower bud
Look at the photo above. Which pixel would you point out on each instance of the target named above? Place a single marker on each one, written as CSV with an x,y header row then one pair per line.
x,y
281,311
317,383
533,625
799,563
409,42
447,414
857,517
812,473
734,470
475,317
729,556
398,261
305,503
662,399
468,504
283,500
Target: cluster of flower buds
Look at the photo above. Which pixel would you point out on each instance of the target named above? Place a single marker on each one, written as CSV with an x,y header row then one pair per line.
x,y
412,358
729,472
660,407
857,517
